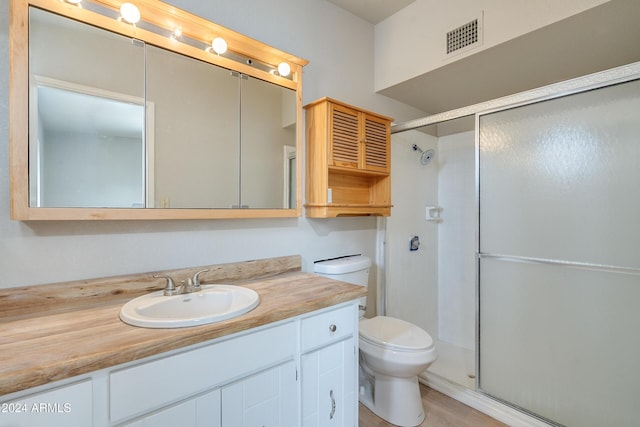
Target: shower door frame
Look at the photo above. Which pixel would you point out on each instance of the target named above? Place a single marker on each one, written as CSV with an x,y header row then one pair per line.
x,y
597,80
577,85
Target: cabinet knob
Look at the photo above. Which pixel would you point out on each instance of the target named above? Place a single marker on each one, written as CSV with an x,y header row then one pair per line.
x,y
333,328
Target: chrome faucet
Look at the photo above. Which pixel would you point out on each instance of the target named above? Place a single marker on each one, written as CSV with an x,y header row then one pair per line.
x,y
170,288
192,284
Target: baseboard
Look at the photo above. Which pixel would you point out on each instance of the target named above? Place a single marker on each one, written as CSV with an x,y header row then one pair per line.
x,y
480,402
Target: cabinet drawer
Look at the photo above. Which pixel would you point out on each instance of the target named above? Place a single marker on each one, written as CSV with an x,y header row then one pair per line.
x,y
139,389
327,327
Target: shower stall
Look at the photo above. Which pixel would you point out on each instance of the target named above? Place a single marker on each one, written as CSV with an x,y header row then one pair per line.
x,y
528,276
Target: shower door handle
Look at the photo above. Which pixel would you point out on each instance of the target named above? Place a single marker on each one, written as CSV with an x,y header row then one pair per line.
x,y
333,405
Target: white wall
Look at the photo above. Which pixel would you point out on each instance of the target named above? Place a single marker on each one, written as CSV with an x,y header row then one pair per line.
x,y
341,66
413,41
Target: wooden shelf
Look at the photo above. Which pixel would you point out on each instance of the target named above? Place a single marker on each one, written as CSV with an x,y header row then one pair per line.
x,y
333,211
357,172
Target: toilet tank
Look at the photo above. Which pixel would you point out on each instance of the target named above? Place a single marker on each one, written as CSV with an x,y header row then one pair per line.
x,y
351,269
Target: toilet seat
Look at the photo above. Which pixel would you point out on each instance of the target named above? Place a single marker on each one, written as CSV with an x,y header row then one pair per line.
x,y
394,334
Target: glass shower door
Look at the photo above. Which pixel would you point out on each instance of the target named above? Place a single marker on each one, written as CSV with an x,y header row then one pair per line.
x,y
559,256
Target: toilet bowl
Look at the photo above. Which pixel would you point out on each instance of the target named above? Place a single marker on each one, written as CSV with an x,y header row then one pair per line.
x,y
392,352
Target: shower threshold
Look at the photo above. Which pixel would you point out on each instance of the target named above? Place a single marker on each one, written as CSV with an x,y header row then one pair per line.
x,y
455,363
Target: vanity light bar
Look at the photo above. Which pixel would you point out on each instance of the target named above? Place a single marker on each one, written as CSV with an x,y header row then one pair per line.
x,y
210,48
129,13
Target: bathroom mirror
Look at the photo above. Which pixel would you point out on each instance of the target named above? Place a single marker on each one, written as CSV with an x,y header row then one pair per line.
x,y
229,154
126,122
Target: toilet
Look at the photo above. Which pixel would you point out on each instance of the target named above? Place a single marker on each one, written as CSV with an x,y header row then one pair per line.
x,y
392,352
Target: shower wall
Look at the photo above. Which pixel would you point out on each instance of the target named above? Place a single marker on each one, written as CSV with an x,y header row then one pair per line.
x,y
457,239
412,277
434,287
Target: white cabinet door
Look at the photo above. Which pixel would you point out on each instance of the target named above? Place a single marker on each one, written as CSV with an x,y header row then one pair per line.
x,y
67,406
203,411
329,386
265,399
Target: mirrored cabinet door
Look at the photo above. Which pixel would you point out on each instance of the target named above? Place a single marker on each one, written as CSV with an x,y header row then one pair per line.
x,y
194,134
86,136
267,145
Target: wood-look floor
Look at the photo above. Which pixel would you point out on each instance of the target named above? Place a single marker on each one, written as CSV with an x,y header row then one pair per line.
x,y
439,410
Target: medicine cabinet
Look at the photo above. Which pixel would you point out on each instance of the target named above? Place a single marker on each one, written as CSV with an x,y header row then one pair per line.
x,y
158,115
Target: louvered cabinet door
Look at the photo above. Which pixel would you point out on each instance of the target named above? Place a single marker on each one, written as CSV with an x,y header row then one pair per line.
x,y
344,137
376,144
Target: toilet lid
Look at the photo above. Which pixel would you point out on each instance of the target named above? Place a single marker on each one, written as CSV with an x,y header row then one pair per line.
x,y
394,333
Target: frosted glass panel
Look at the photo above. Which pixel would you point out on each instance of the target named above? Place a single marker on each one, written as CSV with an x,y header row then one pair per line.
x,y
560,179
561,342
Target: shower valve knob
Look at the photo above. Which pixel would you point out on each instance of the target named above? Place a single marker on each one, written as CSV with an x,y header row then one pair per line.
x,y
414,243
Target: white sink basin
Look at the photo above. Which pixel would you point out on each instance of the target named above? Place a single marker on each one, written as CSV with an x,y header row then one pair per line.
x,y
212,304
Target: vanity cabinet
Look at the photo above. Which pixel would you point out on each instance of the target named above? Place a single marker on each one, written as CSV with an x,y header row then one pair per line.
x,y
329,369
267,376
348,160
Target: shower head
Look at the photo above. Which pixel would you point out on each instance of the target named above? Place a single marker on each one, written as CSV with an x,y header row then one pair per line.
x,y
425,156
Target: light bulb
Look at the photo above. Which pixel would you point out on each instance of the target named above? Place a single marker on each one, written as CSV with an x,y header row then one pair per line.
x,y
177,32
219,45
284,69
130,13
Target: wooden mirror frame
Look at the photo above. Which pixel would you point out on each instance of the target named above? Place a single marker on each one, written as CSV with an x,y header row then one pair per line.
x,y
167,17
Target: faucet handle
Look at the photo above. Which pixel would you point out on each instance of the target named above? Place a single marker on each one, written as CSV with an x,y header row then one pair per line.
x,y
195,279
170,288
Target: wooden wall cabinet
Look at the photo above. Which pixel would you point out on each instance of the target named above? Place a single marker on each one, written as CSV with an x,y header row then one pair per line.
x,y
348,160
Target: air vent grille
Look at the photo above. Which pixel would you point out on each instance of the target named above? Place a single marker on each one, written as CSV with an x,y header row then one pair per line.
x,y
463,36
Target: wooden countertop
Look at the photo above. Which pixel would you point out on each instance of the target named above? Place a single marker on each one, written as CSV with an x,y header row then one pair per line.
x,y
50,346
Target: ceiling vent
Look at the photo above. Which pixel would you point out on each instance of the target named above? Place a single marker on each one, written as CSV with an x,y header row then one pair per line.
x,y
466,35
